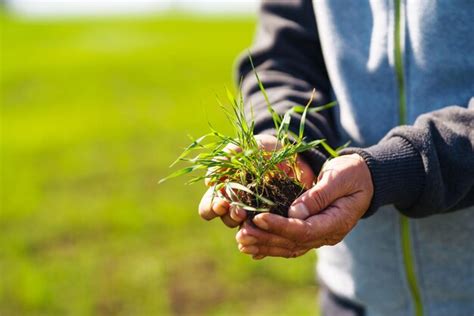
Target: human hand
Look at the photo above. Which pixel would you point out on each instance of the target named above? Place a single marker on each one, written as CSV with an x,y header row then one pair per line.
x,y
212,206
321,216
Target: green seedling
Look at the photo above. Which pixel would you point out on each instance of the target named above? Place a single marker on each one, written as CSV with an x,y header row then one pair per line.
x,y
239,170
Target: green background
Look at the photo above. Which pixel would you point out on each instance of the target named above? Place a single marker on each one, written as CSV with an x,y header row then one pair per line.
x,y
93,111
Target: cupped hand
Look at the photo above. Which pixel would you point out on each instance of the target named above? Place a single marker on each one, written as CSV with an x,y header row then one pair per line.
x,y
321,216
212,206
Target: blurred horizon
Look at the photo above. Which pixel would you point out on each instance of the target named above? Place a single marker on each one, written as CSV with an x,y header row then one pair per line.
x,y
93,111
93,8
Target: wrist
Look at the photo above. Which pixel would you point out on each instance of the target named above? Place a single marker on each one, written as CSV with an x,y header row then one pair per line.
x,y
396,170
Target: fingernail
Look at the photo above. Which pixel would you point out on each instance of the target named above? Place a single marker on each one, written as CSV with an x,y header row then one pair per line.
x,y
298,211
260,222
247,240
258,257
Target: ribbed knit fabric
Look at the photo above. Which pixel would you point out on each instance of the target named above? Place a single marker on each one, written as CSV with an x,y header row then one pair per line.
x,y
397,172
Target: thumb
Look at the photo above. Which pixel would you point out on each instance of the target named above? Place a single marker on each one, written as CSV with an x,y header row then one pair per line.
x,y
320,196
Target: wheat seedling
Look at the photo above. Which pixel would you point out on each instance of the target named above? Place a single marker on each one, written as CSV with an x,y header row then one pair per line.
x,y
249,177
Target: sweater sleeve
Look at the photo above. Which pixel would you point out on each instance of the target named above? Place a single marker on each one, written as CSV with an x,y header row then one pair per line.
x,y
427,168
288,58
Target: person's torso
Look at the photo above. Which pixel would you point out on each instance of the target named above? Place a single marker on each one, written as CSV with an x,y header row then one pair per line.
x,y
385,69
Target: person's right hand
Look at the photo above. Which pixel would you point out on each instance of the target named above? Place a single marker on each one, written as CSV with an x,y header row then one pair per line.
x,y
210,207
322,216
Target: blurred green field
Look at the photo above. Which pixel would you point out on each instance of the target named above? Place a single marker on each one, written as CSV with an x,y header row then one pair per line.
x,y
92,113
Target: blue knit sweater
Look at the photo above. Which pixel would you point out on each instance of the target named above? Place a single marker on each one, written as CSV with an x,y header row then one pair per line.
x,y
403,75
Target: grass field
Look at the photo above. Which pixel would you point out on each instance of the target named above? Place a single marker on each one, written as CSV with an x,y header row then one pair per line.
x,y
92,114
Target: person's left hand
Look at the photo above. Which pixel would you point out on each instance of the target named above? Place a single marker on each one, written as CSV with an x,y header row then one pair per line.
x,y
323,215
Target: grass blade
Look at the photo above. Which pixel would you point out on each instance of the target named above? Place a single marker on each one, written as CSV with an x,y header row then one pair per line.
x,y
240,187
250,208
181,172
276,118
303,116
285,125
301,108
338,149
328,148
192,146
323,107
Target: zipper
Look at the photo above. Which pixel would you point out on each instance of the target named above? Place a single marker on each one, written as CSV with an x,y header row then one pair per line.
x,y
406,243
408,263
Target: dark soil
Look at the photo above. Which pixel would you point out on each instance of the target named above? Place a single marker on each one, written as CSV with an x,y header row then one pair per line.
x,y
281,190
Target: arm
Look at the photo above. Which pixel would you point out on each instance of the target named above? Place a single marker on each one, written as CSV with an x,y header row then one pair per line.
x,y
424,169
288,58
427,168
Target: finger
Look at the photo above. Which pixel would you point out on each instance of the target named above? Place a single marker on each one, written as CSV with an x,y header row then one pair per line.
x,y
283,166
220,206
316,199
229,148
330,227
290,228
280,252
248,236
272,252
323,229
208,180
306,174
258,257
237,214
303,171
205,206
268,142
228,221
336,221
